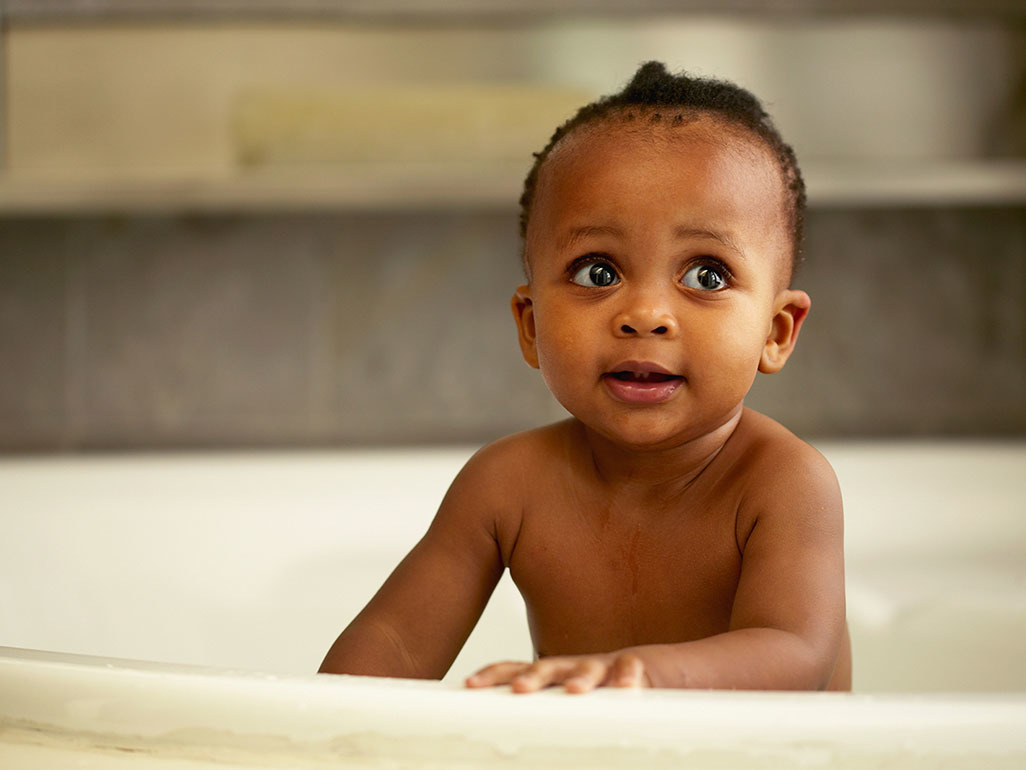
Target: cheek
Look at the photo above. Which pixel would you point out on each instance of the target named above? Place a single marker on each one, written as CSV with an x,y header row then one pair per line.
x,y
738,344
560,334
559,351
565,354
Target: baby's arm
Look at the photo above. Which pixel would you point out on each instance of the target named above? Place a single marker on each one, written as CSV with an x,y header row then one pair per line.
x,y
417,622
787,624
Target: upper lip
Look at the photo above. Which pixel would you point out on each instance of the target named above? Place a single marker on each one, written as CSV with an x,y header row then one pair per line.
x,y
641,367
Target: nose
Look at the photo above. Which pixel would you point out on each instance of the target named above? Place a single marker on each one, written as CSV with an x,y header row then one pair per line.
x,y
645,320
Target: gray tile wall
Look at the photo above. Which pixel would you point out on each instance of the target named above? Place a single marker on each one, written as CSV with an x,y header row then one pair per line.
x,y
918,326
298,330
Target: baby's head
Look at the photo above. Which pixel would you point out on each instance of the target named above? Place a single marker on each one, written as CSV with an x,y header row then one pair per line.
x,y
661,229
654,97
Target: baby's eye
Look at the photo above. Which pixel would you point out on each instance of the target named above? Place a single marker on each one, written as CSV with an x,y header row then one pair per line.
x,y
596,274
705,278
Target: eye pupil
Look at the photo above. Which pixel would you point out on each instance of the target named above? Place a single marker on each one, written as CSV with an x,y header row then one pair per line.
x,y
708,278
595,274
601,275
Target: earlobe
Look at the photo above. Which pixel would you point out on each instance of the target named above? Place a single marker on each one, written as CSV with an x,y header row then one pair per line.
x,y
792,308
523,314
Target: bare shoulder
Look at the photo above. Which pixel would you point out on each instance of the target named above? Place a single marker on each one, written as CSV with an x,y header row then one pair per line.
x,y
514,460
495,484
772,455
784,475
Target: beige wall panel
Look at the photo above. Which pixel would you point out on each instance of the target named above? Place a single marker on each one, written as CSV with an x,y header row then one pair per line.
x,y
144,100
149,100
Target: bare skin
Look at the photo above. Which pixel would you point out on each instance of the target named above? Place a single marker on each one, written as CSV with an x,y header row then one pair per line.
x,y
666,535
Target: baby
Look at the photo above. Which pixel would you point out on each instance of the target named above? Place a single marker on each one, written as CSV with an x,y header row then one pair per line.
x,y
664,535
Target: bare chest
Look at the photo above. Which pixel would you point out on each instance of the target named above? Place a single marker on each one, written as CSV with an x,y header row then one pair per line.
x,y
596,578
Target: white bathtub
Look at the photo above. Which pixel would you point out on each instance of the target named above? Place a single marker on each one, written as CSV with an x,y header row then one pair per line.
x,y
167,612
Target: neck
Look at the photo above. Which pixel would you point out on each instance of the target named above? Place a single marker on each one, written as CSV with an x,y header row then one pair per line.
x,y
654,469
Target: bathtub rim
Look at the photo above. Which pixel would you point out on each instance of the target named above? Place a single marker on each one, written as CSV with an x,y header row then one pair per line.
x,y
175,709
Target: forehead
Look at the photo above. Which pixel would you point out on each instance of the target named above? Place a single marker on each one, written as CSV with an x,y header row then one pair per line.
x,y
638,174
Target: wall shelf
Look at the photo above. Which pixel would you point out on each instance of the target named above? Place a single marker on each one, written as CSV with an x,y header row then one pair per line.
x,y
493,185
916,182
350,187
484,10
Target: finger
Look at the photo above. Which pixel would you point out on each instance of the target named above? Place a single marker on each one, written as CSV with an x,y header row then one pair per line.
x,y
627,670
542,674
586,676
496,674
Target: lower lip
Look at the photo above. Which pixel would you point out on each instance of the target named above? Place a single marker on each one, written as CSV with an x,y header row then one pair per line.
x,y
639,392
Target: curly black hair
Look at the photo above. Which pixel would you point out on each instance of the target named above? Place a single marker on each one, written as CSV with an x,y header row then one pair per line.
x,y
655,91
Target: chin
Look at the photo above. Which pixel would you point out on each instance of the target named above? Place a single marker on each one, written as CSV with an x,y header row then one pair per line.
x,y
646,434
647,430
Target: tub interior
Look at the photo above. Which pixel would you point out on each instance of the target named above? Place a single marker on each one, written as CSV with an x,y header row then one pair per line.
x,y
255,561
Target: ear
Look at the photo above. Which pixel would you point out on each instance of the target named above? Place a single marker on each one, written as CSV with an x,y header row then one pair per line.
x,y
791,308
523,313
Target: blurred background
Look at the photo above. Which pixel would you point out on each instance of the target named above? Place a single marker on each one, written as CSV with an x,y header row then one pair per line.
x,y
294,224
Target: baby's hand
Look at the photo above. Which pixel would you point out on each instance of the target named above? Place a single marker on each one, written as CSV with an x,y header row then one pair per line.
x,y
577,673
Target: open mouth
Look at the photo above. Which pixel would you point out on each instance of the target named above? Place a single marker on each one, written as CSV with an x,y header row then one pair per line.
x,y
642,383
653,377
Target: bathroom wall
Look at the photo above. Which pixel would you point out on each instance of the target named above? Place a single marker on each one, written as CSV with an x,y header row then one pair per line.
x,y
184,262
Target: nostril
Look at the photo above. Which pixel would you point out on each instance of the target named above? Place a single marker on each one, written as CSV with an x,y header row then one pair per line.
x,y
659,330
628,329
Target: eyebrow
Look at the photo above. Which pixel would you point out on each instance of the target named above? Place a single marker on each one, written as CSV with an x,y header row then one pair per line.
x,y
725,238
680,233
579,233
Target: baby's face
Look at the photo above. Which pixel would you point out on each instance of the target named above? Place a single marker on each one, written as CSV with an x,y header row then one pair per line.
x,y
659,259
